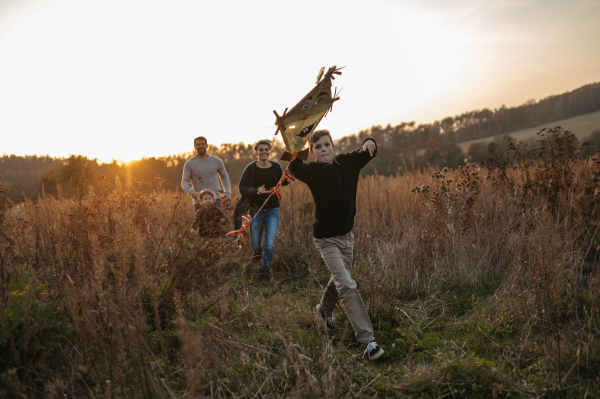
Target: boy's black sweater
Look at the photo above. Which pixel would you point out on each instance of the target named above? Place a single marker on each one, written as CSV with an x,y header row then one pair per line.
x,y
333,188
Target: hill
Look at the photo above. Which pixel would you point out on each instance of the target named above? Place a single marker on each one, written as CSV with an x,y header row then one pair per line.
x,y
581,126
437,143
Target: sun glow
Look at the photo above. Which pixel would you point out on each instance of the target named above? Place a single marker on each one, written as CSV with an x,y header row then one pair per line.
x,y
127,79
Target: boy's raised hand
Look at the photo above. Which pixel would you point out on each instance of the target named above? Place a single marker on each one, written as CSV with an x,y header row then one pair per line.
x,y
369,146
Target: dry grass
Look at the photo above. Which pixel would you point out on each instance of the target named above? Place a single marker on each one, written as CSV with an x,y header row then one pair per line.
x,y
481,282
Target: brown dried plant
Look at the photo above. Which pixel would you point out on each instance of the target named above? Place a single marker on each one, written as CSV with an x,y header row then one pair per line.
x,y
501,257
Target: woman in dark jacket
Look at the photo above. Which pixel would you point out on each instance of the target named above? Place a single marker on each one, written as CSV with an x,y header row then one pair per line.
x,y
258,177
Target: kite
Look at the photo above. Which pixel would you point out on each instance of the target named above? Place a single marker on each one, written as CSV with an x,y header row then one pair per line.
x,y
297,124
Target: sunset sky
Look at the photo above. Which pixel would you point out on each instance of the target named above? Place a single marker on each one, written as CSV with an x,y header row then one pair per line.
x,y
127,79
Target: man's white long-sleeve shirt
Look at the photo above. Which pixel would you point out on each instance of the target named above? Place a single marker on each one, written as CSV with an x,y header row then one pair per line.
x,y
202,173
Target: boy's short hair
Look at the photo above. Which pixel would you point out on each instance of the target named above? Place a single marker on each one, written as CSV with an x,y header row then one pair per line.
x,y
207,191
269,143
200,138
316,136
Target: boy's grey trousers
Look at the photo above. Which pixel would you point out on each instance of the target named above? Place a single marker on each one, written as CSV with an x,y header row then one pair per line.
x,y
337,254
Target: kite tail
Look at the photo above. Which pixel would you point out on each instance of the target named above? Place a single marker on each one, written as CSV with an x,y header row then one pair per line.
x,y
242,229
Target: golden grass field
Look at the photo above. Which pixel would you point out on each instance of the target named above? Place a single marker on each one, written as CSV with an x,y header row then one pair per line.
x,y
480,282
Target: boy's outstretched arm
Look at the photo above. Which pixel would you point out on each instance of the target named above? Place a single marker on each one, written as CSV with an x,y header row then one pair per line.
x,y
300,170
364,154
369,146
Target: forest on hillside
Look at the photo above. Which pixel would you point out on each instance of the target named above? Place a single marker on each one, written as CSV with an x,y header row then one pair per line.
x,y
400,145
403,147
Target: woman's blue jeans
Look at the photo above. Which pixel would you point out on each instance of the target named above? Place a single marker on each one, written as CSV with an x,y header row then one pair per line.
x,y
267,220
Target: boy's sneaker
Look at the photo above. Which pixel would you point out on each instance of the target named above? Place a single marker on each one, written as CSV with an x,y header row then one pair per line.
x,y
373,350
327,321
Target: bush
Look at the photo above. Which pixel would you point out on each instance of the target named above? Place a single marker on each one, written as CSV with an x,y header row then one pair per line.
x,y
32,325
594,140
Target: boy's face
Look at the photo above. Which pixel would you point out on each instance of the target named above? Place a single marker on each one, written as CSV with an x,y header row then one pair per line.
x,y
323,150
207,200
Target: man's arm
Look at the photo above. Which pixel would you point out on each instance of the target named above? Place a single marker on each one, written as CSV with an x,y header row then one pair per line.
x,y
185,179
225,179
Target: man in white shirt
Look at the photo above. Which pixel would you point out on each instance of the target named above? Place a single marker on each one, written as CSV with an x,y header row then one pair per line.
x,y
202,172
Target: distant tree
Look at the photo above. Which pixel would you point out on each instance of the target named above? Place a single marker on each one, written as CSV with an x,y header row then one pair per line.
x,y
77,168
431,146
594,139
446,154
477,151
451,155
500,142
447,124
49,180
492,146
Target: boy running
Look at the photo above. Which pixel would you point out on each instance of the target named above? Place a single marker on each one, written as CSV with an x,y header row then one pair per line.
x,y
333,183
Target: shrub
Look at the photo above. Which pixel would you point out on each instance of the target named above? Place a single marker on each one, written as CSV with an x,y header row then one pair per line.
x,y
32,325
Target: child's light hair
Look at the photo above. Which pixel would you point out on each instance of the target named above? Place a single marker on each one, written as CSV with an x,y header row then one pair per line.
x,y
207,191
316,136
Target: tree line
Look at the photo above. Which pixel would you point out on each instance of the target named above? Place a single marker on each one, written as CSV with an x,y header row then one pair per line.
x,y
402,148
27,176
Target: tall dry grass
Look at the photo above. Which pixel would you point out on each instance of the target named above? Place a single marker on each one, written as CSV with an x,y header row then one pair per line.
x,y
481,281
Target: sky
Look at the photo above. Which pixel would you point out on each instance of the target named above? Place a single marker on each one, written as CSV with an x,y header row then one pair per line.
x,y
125,79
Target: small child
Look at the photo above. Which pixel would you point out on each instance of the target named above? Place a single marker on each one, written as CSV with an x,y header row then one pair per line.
x,y
333,183
208,217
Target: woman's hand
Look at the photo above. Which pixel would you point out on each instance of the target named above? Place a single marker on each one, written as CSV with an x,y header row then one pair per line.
x,y
262,189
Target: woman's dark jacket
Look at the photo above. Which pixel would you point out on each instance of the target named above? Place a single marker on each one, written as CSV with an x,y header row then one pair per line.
x,y
249,191
249,184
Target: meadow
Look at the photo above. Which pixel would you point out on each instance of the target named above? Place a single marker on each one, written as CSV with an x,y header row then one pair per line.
x,y
480,282
581,126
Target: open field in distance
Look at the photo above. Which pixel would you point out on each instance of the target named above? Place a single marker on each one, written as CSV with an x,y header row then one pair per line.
x,y
580,126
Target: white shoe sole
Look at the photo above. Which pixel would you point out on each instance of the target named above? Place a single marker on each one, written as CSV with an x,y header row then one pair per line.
x,y
377,355
320,316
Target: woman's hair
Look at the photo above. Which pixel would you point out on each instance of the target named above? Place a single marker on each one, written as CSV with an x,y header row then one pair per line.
x,y
316,136
268,143
207,191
